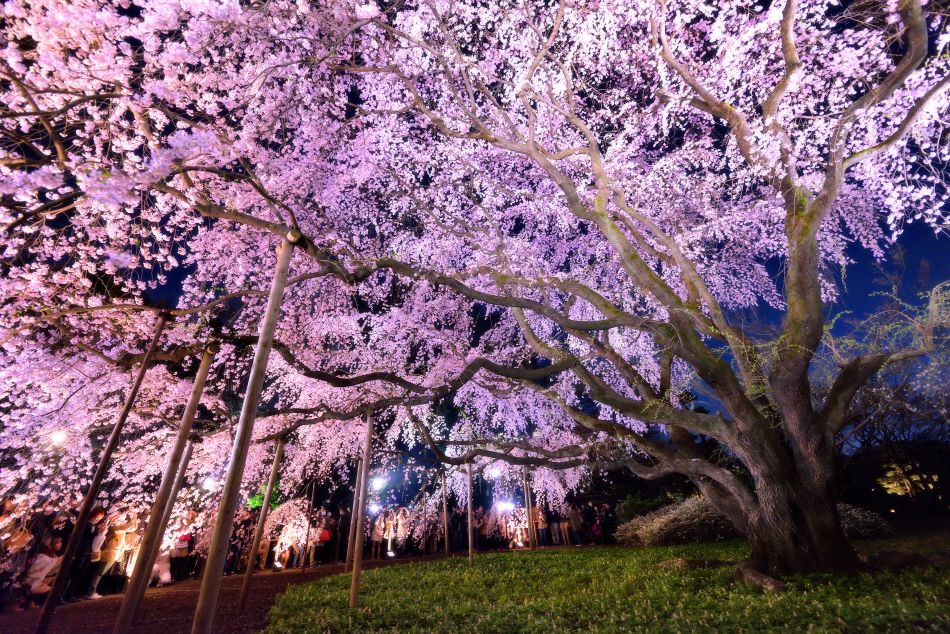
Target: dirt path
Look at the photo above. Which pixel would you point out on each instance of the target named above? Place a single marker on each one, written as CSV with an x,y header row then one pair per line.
x,y
169,610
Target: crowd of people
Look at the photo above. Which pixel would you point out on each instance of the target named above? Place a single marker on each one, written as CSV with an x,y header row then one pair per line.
x,y
505,525
31,549
31,553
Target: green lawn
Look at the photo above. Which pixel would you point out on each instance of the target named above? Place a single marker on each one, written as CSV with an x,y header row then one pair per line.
x,y
616,590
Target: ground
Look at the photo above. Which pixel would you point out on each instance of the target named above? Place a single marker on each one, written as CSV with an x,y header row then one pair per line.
x,y
566,589
618,590
169,610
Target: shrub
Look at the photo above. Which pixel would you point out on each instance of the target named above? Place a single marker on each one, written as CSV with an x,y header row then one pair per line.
x,y
861,523
635,505
697,520
692,520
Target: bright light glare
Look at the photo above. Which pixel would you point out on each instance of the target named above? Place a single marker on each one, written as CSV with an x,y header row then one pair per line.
x,y
209,484
374,508
494,472
58,437
378,483
390,553
506,506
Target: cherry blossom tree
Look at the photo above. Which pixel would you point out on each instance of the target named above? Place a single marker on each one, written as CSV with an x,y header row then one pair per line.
x,y
620,177
551,214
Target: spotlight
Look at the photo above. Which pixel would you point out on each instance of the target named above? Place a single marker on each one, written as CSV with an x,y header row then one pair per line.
x,y
374,508
506,507
378,483
209,484
494,472
58,437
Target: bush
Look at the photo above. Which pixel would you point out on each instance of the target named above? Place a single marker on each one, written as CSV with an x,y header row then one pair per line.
x,y
697,520
692,520
635,505
861,523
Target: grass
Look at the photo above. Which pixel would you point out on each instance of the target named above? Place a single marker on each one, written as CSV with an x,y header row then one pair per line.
x,y
617,589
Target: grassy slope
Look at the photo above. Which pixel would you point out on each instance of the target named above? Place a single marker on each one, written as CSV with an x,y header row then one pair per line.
x,y
616,590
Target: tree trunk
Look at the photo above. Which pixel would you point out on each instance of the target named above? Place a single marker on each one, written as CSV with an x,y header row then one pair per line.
x,y
798,532
791,521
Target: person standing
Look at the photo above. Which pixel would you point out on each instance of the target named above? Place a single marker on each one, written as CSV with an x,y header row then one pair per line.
x,y
403,520
565,528
576,523
112,549
482,527
94,569
554,525
541,524
343,529
376,537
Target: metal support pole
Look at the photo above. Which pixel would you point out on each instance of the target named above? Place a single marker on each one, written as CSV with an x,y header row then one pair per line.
x,y
221,534
471,515
351,537
529,509
445,515
361,516
154,530
261,519
306,541
82,522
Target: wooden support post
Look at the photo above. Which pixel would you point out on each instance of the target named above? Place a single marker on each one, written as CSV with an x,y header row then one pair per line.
x,y
154,529
179,481
224,522
529,510
351,541
471,516
361,515
261,519
89,501
445,515
306,542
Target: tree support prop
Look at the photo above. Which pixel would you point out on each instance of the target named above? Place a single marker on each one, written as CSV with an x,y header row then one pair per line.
x,y
261,519
529,510
445,515
361,516
155,529
221,535
306,541
82,522
351,540
471,515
